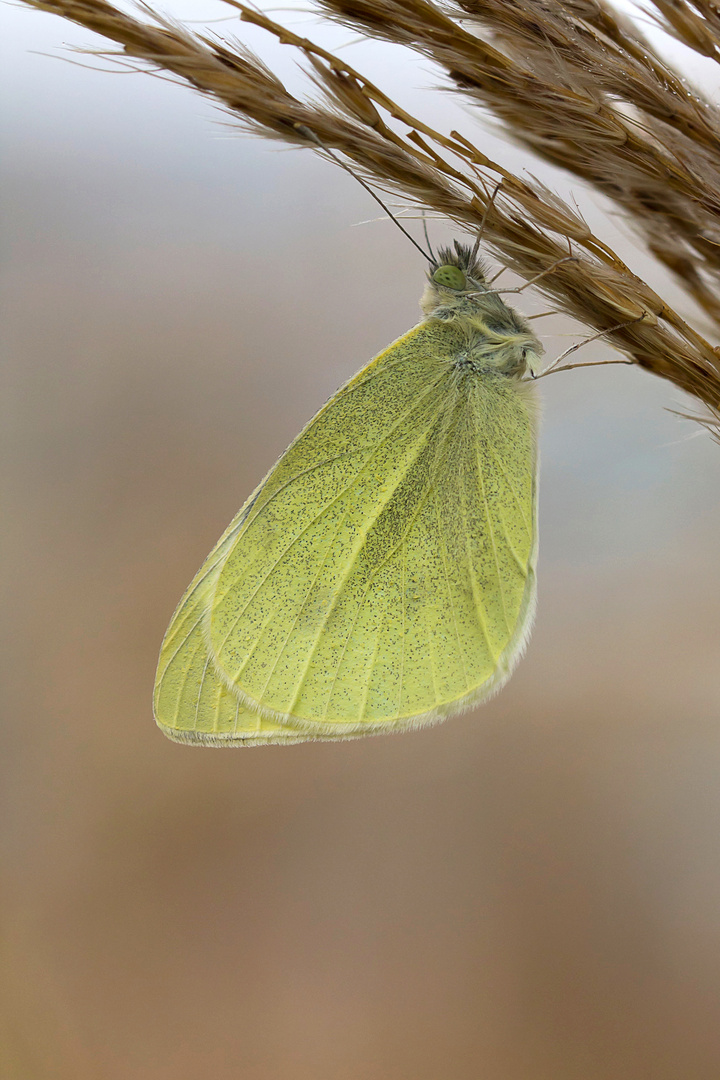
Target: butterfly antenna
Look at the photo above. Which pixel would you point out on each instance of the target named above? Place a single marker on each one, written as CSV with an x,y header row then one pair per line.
x,y
554,367
481,230
532,280
427,238
309,134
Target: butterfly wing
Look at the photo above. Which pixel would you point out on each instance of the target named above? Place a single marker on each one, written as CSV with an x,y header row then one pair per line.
x,y
383,575
192,703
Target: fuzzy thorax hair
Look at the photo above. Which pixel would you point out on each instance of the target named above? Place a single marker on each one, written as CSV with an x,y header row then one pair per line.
x,y
500,337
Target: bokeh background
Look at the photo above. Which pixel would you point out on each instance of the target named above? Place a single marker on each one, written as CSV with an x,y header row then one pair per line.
x,y
529,892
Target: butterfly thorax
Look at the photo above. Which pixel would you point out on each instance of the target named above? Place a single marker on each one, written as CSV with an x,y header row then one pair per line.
x,y
497,337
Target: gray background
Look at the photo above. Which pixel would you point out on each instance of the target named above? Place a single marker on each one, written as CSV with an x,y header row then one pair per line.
x,y
529,892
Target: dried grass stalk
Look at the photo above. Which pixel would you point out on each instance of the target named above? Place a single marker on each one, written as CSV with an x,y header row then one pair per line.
x,y
694,22
588,95
581,88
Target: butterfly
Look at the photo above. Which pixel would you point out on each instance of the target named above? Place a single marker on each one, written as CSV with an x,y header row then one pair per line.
x,y
383,574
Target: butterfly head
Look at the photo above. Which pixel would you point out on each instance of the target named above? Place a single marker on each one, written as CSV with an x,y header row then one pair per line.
x,y
457,271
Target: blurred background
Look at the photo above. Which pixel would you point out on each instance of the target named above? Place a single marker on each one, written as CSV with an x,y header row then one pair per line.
x,y
528,892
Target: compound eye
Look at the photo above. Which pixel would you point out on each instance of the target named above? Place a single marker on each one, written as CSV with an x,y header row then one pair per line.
x,y
450,277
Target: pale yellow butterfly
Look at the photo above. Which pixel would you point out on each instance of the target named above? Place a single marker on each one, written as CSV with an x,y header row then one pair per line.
x,y
382,576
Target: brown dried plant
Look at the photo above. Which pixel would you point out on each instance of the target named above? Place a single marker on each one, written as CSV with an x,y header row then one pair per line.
x,y
571,79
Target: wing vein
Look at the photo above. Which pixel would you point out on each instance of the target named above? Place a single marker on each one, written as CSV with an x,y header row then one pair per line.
x,y
216,718
185,675
350,565
479,606
373,661
431,650
402,634
300,610
490,527
441,538
199,695
373,575
522,567
511,485
408,412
